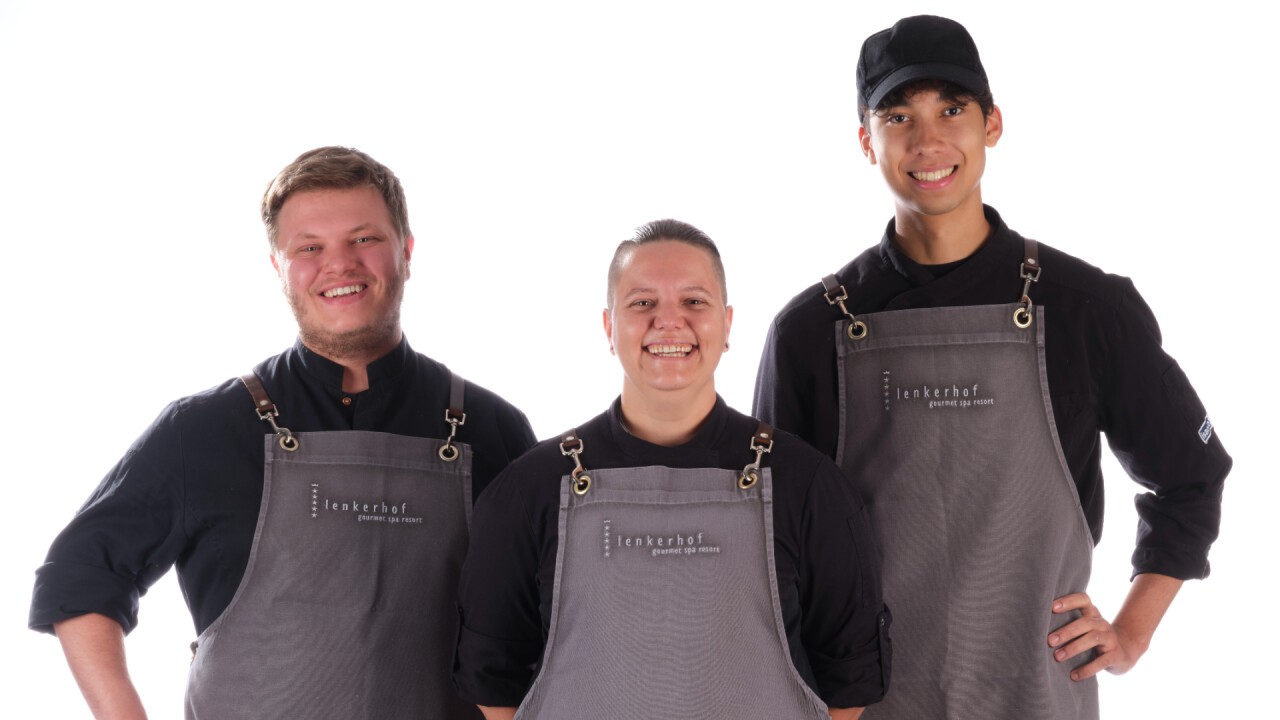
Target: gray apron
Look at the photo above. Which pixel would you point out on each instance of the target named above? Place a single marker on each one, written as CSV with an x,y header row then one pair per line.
x,y
948,433
347,606
665,602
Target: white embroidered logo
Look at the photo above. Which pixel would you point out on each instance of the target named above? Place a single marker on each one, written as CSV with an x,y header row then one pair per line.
x,y
666,544
934,395
1206,430
364,511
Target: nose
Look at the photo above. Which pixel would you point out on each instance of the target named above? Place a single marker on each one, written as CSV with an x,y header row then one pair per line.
x,y
668,317
341,257
927,135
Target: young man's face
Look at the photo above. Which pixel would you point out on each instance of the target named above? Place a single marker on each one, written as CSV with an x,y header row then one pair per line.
x,y
932,152
342,266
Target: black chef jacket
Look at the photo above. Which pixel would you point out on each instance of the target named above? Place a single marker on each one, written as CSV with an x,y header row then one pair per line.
x,y
827,567
1106,372
189,489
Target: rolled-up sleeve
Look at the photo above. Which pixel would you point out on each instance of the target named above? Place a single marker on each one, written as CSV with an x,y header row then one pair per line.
x,y
1163,436
500,636
125,537
845,626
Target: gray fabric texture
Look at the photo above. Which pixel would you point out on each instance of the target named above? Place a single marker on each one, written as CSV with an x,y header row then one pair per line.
x,y
949,435
346,609
666,603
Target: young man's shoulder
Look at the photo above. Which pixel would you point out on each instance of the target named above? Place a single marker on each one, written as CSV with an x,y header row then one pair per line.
x,y
810,309
1063,272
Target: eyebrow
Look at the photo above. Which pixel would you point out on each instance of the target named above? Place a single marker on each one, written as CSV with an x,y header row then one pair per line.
x,y
362,227
685,289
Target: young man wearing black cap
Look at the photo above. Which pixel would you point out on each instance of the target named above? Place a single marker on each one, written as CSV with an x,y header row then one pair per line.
x,y
961,375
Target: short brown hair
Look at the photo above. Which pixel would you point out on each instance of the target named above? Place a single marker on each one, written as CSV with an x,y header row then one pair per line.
x,y
334,168
657,231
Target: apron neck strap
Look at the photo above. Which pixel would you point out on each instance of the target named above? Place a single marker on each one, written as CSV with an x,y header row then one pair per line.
x,y
267,410
571,445
835,294
1030,272
761,443
454,416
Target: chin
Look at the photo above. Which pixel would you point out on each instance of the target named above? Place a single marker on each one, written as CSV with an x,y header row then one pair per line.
x,y
358,342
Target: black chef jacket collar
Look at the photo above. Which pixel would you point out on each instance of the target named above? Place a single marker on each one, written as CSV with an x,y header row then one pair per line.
x,y
698,452
990,257
329,373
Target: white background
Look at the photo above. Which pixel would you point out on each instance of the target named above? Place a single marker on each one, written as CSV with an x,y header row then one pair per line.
x,y
531,138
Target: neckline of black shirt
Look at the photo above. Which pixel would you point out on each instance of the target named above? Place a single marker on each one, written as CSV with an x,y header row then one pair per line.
x,y
912,285
329,373
700,451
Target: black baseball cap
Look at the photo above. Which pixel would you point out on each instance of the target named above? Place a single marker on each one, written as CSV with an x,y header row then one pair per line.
x,y
923,47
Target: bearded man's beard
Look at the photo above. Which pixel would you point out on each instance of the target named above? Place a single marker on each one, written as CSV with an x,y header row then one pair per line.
x,y
373,339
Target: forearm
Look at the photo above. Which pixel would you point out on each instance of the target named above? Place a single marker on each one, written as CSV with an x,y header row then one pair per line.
x,y
1144,607
497,713
94,648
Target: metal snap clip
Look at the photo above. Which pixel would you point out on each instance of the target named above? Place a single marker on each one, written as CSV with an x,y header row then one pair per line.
x,y
761,443
572,446
448,452
836,295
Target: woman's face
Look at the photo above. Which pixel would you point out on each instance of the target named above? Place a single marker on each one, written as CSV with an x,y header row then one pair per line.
x,y
669,323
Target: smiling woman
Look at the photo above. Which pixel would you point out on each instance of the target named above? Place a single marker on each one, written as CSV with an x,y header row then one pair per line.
x,y
668,323
682,475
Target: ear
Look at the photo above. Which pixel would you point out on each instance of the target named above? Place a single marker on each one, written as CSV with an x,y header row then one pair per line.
x,y
607,317
728,324
864,139
408,253
995,126
276,265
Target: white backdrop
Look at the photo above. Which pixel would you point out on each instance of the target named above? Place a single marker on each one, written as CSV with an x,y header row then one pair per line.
x,y
531,137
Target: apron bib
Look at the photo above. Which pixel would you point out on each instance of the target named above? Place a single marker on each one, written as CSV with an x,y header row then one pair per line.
x,y
948,433
665,602
346,609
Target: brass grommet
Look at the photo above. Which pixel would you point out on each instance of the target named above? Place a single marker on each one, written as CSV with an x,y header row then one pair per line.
x,y
448,453
581,484
747,480
856,330
289,443
1022,318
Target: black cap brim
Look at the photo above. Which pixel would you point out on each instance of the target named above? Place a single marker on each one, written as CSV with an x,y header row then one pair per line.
x,y
967,79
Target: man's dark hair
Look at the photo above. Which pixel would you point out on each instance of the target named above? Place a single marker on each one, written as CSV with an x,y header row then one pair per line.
x,y
674,231
949,91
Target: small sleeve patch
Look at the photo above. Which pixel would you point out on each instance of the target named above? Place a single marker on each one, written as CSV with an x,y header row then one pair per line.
x,y
1206,430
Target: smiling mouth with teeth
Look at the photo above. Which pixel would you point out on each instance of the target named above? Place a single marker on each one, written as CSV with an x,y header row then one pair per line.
x,y
345,290
670,350
933,175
